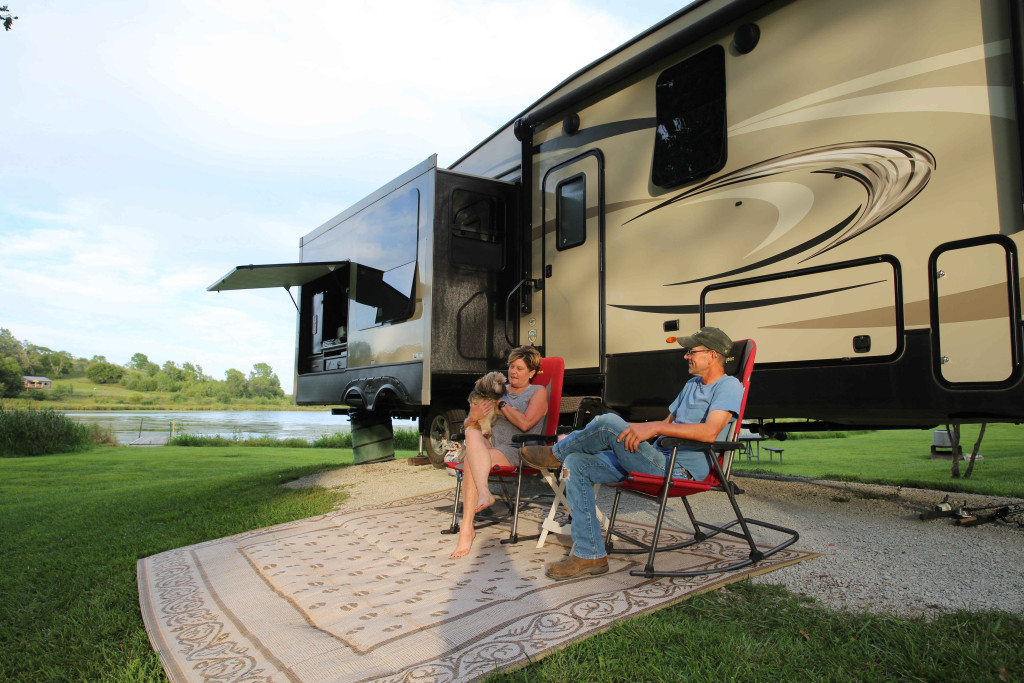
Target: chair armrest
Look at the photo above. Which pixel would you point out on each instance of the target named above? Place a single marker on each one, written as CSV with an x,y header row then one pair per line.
x,y
672,442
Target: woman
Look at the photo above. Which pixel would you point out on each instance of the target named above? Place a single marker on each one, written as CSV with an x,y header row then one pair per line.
x,y
524,407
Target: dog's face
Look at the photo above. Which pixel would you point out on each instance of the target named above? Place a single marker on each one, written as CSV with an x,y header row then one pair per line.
x,y
491,385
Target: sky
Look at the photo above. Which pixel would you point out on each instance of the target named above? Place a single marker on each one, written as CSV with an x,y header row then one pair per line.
x,y
147,148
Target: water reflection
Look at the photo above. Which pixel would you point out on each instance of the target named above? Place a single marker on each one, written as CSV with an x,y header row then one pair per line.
x,y
279,424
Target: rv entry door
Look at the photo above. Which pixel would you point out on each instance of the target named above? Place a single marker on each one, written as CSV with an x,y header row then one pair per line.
x,y
573,207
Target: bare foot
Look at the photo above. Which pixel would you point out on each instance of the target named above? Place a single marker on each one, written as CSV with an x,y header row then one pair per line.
x,y
484,502
465,543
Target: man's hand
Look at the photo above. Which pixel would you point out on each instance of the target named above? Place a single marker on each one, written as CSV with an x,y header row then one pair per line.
x,y
637,432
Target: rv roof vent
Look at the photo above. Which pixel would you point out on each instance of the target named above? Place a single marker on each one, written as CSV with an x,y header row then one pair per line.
x,y
746,37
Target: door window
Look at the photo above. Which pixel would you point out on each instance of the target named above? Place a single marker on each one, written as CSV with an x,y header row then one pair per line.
x,y
571,212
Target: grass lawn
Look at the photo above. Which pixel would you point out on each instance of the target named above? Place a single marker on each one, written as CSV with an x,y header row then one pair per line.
x,y
901,457
72,528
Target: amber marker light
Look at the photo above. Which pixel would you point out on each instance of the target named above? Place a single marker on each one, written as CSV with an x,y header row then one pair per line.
x,y
670,340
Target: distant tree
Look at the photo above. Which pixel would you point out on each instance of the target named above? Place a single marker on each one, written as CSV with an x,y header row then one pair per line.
x,y
98,359
234,384
7,18
193,373
173,372
10,347
44,361
61,363
263,382
10,378
104,373
142,363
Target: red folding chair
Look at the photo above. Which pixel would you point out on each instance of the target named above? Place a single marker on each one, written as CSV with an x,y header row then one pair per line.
x,y
740,364
550,375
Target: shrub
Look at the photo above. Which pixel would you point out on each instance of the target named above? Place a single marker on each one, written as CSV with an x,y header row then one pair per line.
x,y
104,373
40,432
102,436
335,440
407,439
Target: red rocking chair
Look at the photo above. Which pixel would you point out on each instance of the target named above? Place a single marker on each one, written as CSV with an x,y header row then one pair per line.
x,y
661,488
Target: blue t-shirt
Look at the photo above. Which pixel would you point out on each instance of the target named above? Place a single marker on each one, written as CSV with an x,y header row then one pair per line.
x,y
693,405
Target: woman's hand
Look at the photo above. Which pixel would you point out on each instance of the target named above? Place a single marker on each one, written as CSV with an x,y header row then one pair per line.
x,y
476,412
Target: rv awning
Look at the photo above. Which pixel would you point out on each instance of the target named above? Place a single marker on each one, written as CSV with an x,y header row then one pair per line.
x,y
285,275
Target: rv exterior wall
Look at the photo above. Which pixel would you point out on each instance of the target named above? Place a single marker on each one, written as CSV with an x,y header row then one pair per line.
x,y
860,138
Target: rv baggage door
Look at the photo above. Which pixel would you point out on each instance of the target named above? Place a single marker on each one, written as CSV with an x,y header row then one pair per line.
x,y
573,208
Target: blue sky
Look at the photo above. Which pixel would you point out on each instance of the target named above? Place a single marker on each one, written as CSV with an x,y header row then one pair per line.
x,y
146,148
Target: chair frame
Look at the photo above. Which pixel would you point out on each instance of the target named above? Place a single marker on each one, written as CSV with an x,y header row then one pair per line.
x,y
662,487
553,369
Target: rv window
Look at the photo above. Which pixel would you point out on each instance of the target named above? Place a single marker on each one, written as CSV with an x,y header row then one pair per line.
x,y
571,216
477,225
690,138
380,297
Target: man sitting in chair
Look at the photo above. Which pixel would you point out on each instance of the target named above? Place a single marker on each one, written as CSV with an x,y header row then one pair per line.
x,y
608,448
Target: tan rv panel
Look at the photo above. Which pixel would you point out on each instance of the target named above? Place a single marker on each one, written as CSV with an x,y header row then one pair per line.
x,y
929,116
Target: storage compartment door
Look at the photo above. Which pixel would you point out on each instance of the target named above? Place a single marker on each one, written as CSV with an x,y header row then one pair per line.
x,y
974,309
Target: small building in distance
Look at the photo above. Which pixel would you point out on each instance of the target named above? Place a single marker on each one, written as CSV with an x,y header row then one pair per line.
x,y
32,382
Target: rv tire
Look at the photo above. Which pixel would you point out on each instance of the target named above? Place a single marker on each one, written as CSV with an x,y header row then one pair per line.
x,y
440,424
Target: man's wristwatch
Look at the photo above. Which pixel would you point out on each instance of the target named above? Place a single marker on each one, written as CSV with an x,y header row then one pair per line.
x,y
501,404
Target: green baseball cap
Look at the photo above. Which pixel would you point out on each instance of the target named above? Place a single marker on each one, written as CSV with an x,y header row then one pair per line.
x,y
711,337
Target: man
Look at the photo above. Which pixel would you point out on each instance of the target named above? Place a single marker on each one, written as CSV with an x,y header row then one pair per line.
x,y
608,448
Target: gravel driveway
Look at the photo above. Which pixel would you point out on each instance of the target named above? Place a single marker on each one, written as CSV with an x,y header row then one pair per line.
x,y
876,553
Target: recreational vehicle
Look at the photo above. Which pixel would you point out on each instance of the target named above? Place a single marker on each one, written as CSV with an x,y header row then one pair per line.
x,y
839,181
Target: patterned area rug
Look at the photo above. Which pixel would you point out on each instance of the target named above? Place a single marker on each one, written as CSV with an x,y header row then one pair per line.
x,y
371,594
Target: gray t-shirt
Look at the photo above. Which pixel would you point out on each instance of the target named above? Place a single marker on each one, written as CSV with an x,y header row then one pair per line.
x,y
503,430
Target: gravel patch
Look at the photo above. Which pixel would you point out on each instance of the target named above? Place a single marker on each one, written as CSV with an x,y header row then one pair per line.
x,y
876,554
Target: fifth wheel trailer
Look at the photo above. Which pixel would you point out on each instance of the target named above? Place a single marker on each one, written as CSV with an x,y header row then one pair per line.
x,y
840,181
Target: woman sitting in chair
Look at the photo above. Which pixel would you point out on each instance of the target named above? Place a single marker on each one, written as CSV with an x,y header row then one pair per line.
x,y
523,407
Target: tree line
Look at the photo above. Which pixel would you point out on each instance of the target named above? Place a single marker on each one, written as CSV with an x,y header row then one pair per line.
x,y
18,358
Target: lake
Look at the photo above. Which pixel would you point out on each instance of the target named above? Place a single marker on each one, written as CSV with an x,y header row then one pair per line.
x,y
128,425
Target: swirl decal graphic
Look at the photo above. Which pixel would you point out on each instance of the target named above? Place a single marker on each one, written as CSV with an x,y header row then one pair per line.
x,y
891,173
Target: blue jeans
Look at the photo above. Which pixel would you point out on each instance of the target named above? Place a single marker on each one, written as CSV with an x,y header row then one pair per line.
x,y
594,456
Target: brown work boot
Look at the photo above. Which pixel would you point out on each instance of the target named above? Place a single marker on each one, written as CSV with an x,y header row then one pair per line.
x,y
573,566
539,456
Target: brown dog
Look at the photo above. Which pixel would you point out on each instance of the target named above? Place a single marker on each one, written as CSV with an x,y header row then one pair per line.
x,y
490,387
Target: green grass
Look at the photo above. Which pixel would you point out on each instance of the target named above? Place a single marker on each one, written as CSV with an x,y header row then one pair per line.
x,y
903,458
72,528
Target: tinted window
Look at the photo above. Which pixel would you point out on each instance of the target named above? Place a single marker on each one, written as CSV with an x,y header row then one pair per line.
x,y
477,230
382,242
380,297
690,139
571,216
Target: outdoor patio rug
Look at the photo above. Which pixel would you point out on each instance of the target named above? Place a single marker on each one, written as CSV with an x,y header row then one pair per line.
x,y
370,594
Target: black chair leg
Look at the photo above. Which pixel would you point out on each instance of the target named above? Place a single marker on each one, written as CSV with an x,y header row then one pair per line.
x,y
454,528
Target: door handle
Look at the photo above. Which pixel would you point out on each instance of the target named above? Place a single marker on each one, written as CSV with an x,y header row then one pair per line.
x,y
537,284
